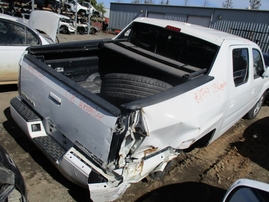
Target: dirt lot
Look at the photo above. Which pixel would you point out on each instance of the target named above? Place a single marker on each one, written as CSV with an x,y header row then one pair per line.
x,y
201,175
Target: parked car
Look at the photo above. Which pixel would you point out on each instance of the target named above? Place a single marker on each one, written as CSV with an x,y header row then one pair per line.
x,y
83,29
12,185
66,26
16,34
74,6
93,10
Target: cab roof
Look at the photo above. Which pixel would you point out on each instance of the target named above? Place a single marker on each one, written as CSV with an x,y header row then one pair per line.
x,y
211,35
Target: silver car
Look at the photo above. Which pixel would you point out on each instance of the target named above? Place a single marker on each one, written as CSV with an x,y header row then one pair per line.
x,y
16,34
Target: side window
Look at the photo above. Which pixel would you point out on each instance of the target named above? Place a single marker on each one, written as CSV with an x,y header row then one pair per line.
x,y
12,34
3,33
32,39
16,34
258,68
240,66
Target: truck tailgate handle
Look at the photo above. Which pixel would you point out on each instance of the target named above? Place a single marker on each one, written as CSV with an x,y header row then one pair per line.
x,y
55,98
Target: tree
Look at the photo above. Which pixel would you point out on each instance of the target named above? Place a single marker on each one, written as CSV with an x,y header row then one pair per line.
x,y
101,7
135,2
164,3
186,2
227,4
148,2
93,2
205,3
254,4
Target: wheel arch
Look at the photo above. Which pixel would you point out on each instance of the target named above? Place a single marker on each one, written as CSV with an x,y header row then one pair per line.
x,y
202,142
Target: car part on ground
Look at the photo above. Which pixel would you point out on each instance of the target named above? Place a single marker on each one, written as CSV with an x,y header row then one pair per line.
x,y
12,185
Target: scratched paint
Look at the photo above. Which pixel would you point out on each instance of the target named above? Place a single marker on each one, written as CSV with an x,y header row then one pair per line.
x,y
82,104
35,73
69,95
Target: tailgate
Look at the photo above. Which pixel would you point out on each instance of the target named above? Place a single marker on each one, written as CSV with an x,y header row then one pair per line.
x,y
83,117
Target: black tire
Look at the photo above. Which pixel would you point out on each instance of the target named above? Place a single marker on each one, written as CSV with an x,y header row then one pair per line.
x,y
64,30
92,31
81,30
82,12
121,88
255,110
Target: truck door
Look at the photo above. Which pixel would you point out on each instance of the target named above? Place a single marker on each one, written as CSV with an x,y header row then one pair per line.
x,y
244,86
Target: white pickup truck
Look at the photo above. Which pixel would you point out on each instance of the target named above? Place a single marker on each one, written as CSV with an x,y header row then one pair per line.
x,y
108,113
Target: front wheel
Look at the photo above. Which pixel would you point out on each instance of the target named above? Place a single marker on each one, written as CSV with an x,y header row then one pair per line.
x,y
255,110
64,30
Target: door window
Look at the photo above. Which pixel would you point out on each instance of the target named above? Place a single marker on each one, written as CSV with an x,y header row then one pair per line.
x,y
14,34
258,68
240,66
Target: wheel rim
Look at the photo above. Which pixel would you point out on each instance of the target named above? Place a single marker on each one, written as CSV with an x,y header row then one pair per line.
x,y
258,106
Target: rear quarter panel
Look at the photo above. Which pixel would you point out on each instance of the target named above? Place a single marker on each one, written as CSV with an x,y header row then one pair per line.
x,y
183,119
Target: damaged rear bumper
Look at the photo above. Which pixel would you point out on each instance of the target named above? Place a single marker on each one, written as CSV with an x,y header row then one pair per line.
x,y
69,158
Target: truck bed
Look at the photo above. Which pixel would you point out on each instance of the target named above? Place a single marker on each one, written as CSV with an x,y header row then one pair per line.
x,y
87,67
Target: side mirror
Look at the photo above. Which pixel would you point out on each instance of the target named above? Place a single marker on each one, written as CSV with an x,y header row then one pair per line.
x,y
245,190
266,72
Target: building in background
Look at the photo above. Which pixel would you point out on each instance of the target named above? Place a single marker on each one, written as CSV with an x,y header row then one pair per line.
x,y
250,24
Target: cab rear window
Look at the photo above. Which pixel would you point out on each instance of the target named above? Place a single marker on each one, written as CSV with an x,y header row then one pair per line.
x,y
172,44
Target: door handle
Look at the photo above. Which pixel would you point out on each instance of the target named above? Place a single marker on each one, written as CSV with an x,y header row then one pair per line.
x,y
55,98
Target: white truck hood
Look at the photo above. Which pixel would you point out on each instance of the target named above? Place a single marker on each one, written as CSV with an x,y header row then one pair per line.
x,y
45,21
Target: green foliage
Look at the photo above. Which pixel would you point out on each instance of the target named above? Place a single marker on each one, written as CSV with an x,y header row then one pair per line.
x,y
100,7
93,2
